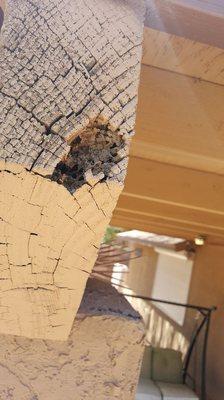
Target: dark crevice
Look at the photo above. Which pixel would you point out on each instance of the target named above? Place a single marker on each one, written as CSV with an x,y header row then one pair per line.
x,y
36,159
50,126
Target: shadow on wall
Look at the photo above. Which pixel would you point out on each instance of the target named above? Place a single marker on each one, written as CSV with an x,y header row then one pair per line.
x,y
160,330
205,288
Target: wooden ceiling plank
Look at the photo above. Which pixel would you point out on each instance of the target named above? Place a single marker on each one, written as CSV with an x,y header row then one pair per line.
x,y
202,228
135,220
197,20
189,216
181,119
143,149
183,56
174,185
129,221
179,197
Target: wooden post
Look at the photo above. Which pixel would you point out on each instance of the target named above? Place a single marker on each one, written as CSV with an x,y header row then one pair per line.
x,y
68,93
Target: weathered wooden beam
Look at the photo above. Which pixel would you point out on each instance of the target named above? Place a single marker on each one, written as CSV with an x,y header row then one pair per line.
x,y
198,20
101,359
69,79
180,121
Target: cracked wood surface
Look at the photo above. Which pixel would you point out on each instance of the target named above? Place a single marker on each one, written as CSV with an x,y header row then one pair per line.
x,y
64,64
100,360
68,93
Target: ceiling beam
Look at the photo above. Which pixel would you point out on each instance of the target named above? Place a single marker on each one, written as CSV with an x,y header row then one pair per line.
x,y
129,221
198,20
179,198
201,221
183,56
174,185
180,121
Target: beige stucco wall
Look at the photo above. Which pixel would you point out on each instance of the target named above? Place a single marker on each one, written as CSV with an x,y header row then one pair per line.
x,y
207,288
141,270
100,360
160,330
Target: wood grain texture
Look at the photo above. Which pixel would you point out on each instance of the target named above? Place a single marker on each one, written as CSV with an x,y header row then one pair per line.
x,y
69,79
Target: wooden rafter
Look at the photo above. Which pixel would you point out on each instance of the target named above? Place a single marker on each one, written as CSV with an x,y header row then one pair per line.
x,y
180,121
178,198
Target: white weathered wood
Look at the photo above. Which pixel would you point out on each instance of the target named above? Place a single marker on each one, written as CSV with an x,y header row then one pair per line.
x,y
69,78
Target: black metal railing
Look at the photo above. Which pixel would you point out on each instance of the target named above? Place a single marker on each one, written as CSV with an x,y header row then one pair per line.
x,y
206,313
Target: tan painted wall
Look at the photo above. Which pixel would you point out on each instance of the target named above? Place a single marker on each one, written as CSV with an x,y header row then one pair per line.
x,y
207,289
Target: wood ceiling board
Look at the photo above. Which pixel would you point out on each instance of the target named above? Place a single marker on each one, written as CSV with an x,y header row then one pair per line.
x,y
183,56
201,220
174,185
140,220
127,220
181,114
201,21
182,158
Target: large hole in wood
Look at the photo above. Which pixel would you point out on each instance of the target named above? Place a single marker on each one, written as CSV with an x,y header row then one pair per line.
x,y
96,155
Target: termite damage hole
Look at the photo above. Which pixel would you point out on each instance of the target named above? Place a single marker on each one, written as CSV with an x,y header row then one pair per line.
x,y
96,155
